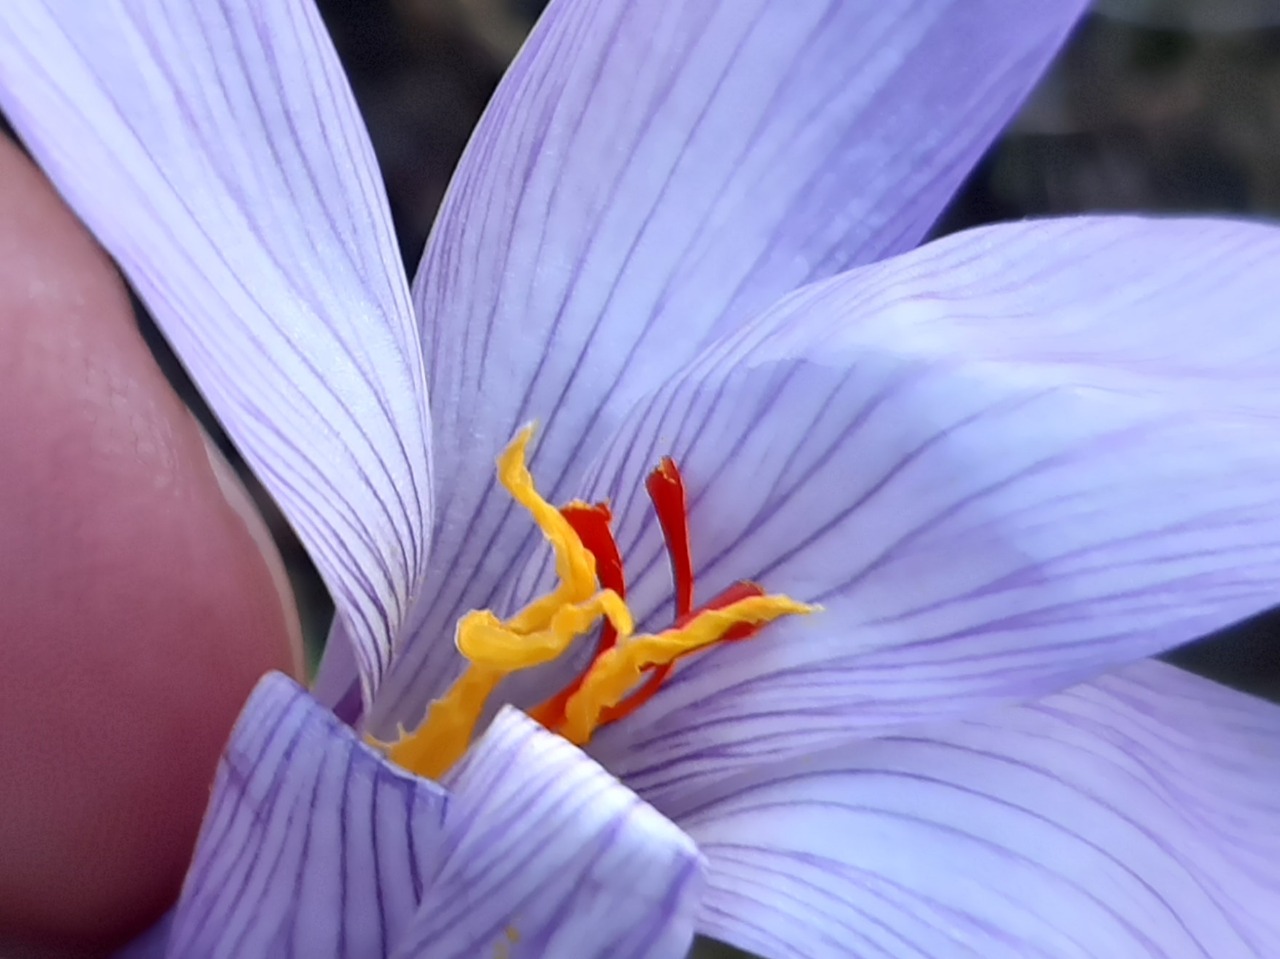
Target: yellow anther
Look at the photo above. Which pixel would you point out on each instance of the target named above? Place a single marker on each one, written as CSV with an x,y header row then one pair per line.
x,y
537,634
575,566
545,629
617,671
486,640
445,732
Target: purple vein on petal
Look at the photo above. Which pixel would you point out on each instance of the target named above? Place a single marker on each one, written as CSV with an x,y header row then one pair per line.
x,y
312,841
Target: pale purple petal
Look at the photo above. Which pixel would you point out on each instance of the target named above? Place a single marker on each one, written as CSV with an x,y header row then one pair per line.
x,y
650,174
546,856
215,150
313,846
335,682
1135,816
1004,463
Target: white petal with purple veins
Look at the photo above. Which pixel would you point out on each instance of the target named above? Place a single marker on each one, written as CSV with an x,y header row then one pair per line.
x,y
1134,816
546,855
216,152
313,846
1003,464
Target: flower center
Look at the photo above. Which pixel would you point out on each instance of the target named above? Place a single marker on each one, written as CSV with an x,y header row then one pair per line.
x,y
628,668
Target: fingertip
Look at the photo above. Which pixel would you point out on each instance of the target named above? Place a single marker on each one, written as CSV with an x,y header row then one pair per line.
x,y
142,597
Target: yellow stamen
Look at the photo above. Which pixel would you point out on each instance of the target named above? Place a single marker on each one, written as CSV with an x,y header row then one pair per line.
x,y
537,634
483,638
445,732
575,566
617,671
544,629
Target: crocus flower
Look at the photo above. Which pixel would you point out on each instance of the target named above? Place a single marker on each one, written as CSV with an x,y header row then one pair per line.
x,y
1009,466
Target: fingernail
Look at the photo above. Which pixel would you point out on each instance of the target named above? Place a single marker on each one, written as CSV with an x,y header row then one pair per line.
x,y
239,499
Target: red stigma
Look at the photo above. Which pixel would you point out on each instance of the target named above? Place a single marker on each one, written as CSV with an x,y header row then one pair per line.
x,y
593,524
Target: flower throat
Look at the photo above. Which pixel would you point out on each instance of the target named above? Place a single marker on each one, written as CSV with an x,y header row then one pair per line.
x,y
627,669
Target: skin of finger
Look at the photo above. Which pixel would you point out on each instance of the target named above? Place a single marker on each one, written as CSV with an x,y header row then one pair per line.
x,y
141,599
